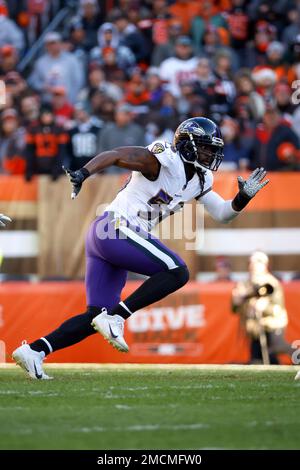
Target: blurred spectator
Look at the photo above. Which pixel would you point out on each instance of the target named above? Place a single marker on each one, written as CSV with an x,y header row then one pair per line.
x,y
239,26
122,132
236,155
223,269
97,81
166,49
275,59
154,86
264,79
130,36
293,29
158,130
186,10
137,94
168,110
12,143
30,108
45,146
57,68
209,17
276,145
109,44
15,85
62,108
10,33
255,52
294,72
205,81
247,96
160,22
8,59
84,138
103,107
212,45
182,66
282,96
76,41
91,17
224,90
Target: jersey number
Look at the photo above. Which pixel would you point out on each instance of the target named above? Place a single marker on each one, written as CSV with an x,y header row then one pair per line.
x,y
160,198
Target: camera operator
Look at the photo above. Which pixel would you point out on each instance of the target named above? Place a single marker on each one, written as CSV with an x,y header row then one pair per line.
x,y
260,303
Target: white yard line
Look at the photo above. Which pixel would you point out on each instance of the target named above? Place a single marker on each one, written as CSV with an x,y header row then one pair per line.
x,y
204,367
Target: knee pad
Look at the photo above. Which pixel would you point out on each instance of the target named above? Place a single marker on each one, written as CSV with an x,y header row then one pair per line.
x,y
182,275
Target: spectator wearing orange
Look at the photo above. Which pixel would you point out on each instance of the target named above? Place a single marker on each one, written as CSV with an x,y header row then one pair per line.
x,y
62,108
276,146
137,94
160,22
186,10
45,146
163,51
238,23
12,143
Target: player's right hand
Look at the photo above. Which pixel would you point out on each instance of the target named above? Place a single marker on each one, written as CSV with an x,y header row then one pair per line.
x,y
76,179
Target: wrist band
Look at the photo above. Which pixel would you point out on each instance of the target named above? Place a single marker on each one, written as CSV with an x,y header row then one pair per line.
x,y
85,173
240,201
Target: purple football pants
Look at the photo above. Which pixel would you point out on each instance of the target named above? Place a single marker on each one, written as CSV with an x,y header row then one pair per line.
x,y
113,250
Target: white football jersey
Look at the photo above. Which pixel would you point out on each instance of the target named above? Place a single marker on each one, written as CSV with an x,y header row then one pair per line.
x,y
145,203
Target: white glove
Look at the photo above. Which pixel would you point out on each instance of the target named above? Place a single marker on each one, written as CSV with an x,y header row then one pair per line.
x,y
4,220
253,184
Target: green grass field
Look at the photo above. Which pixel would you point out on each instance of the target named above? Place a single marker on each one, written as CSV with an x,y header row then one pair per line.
x,y
142,407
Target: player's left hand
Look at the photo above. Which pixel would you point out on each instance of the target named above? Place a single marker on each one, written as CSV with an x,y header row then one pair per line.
x,y
254,183
4,220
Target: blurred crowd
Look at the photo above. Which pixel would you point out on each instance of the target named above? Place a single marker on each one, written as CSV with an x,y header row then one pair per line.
x,y
128,72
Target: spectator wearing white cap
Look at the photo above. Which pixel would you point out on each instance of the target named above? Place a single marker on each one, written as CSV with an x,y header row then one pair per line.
x,y
57,68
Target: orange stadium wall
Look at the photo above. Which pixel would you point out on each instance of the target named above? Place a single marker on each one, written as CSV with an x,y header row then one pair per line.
x,y
194,325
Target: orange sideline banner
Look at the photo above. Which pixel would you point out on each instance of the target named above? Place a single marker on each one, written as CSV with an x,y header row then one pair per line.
x,y
194,325
15,188
280,194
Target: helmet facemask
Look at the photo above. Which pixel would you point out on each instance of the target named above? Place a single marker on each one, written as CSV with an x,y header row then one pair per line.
x,y
200,153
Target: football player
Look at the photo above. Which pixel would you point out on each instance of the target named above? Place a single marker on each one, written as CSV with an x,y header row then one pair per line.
x,y
164,177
